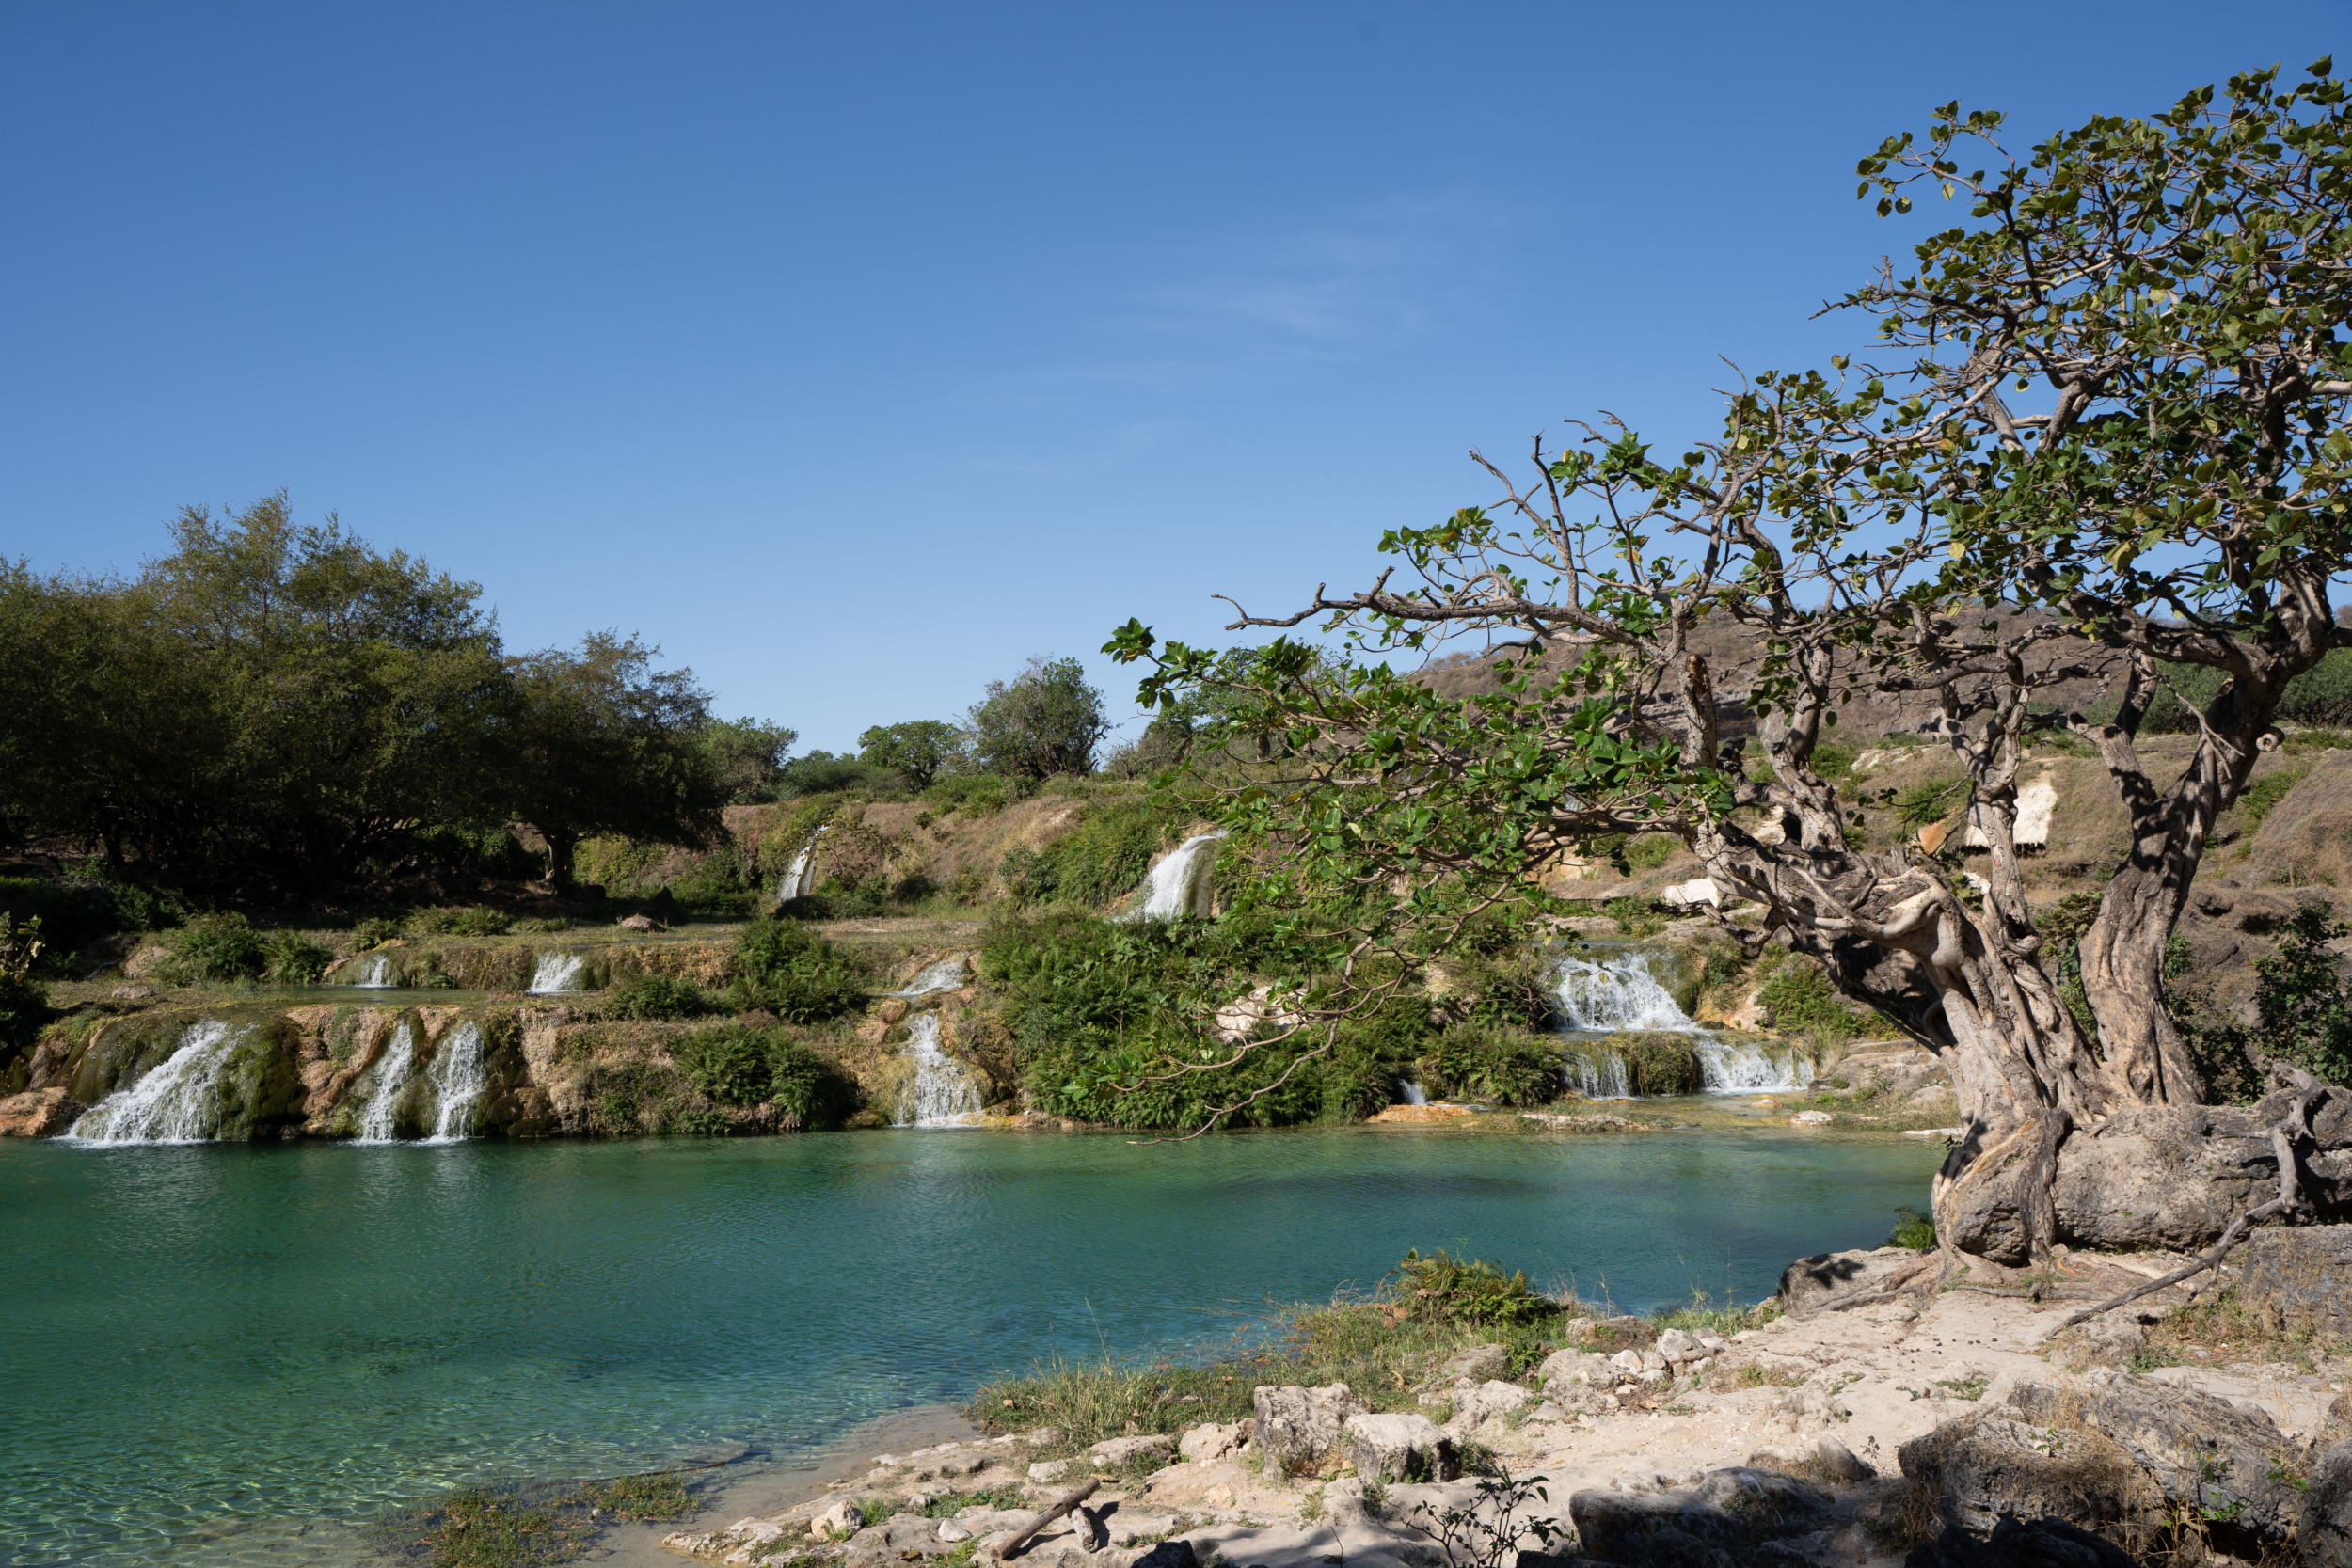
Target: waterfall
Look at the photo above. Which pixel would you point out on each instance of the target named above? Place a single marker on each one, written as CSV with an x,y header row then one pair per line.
x,y
556,973
376,1118
1618,994
1742,1067
1414,1094
1180,884
940,1092
800,877
458,1076
947,974
175,1103
376,972
1605,1079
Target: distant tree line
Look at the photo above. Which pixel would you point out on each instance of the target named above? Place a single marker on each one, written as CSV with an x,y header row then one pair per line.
x,y
283,700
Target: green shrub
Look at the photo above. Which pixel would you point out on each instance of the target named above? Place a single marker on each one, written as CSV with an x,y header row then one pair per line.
x,y
373,932
1651,851
1106,856
744,1067
1803,1000
1930,801
1659,1062
1635,917
2303,997
213,948
976,794
1915,1229
794,972
657,996
2265,792
295,960
1458,1291
1498,1066
1833,761
23,1002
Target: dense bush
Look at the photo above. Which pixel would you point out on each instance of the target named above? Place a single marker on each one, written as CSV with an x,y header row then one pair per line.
x,y
1802,999
746,1067
23,1002
211,948
1497,1067
1463,1292
2303,999
470,922
657,996
1106,856
292,959
1045,721
795,973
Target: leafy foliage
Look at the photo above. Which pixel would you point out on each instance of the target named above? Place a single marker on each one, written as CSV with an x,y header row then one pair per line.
x,y
290,958
794,972
23,1002
210,948
739,1066
921,748
657,996
1442,1288
1103,858
1045,721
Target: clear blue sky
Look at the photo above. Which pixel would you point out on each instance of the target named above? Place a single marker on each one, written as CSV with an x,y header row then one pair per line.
x,y
855,353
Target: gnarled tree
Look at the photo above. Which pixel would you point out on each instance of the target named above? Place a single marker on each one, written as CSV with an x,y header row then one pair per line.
x,y
2118,440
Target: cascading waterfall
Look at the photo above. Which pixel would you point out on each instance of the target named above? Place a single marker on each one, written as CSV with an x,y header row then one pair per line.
x,y
947,974
556,973
1621,994
800,877
458,1076
1414,1094
376,972
940,1092
1181,884
379,1115
175,1103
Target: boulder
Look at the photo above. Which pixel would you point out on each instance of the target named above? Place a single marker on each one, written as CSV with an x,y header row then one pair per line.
x,y
839,1517
1678,1347
1840,1462
1169,1554
148,964
2300,1279
1719,1521
1299,1428
37,1113
900,1538
2204,1454
1478,1362
1491,1401
2323,1536
1115,1451
1993,1466
1398,1447
1211,1441
1626,1361
2021,1544
1809,1284
1046,1471
636,922
1576,1366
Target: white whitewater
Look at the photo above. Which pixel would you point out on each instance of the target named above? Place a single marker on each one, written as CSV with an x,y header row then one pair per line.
x,y
556,973
941,1093
1181,884
458,1076
800,877
377,974
381,1113
1414,1094
1620,994
947,974
1605,1079
175,1103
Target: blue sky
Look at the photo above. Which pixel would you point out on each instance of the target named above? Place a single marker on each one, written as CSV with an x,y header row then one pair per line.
x,y
854,353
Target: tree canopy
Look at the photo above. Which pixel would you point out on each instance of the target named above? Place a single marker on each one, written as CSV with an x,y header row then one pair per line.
x,y
2112,437
1045,721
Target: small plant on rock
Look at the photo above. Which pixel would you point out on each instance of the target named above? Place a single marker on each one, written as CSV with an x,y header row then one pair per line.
x,y
1440,1287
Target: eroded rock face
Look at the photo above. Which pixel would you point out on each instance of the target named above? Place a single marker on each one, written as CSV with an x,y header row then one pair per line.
x,y
1809,1284
1478,1363
1719,1521
2202,1453
1211,1441
2021,1544
2323,1533
1300,1428
1405,1448
37,1113
1996,1465
2300,1279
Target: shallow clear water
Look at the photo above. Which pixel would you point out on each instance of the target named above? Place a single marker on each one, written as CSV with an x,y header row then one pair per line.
x,y
201,1338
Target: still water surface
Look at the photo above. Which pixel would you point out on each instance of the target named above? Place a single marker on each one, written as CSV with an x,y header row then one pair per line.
x,y
207,1347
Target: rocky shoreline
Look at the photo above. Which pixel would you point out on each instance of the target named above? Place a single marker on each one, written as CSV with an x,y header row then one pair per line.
x,y
1950,1428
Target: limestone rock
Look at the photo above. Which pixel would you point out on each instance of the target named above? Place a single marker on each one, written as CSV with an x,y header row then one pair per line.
x,y
2021,1544
1049,1470
1169,1554
132,993
1299,1428
1718,1521
1478,1362
1399,1448
838,1517
1115,1451
1839,1461
1993,1466
2300,1279
1574,1366
637,923
1211,1441
2202,1453
1628,1361
37,1113
1491,1401
900,1538
1809,1284
2323,1536
147,963
1678,1347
